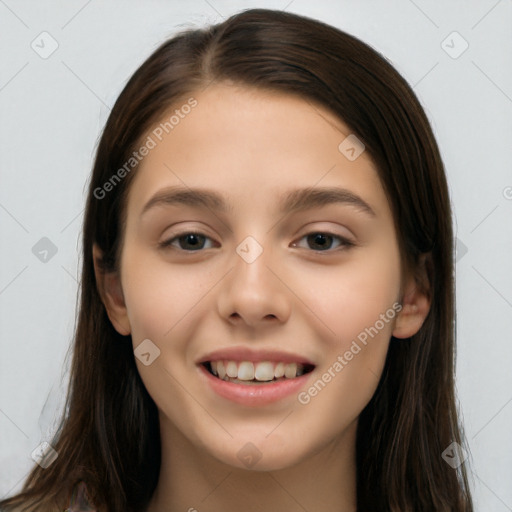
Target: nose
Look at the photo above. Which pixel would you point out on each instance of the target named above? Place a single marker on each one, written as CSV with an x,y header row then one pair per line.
x,y
253,293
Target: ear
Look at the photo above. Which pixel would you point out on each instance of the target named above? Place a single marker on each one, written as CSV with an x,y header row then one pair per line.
x,y
111,293
416,301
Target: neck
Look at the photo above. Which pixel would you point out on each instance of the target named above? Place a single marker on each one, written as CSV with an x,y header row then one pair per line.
x,y
192,480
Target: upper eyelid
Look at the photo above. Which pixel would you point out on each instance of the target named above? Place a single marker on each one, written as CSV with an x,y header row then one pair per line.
x,y
167,241
331,231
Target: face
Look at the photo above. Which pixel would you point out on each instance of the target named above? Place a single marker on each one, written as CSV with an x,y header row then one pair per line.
x,y
254,246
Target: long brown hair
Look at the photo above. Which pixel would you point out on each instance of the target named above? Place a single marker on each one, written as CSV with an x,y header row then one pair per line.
x,y
109,436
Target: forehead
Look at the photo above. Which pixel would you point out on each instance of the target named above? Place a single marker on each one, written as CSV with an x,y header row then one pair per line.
x,y
251,145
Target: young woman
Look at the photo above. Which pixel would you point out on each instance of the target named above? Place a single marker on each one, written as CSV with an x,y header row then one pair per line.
x,y
267,297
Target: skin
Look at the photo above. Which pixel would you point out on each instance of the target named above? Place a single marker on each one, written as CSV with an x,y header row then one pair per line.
x,y
252,146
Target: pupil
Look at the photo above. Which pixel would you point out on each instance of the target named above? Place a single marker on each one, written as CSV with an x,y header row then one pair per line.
x,y
192,239
321,240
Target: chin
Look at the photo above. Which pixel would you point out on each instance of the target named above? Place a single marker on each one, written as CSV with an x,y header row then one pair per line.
x,y
253,455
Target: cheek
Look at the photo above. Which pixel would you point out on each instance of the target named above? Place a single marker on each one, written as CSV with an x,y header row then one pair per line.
x,y
351,297
358,303
164,304
159,296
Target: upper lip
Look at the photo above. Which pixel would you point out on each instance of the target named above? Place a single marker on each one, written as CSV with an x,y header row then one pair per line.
x,y
249,354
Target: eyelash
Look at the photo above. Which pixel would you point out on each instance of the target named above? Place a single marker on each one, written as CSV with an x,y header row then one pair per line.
x,y
344,243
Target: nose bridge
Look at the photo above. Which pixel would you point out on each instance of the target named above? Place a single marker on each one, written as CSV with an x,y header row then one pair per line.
x,y
252,264
252,293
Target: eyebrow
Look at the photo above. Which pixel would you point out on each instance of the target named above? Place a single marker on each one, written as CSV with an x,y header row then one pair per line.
x,y
294,200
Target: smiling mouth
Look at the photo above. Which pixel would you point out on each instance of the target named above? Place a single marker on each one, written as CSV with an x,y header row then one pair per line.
x,y
262,372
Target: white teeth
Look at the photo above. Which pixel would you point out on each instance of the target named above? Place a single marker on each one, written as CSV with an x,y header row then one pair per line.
x,y
221,370
231,369
290,370
264,371
246,371
279,370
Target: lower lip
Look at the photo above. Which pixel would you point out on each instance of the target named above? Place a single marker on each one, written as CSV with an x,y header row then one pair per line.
x,y
254,394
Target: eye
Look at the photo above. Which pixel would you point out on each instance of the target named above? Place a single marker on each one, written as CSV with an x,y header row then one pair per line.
x,y
319,241
323,241
187,241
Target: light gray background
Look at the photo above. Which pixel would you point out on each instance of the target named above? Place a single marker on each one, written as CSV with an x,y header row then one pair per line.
x,y
52,112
